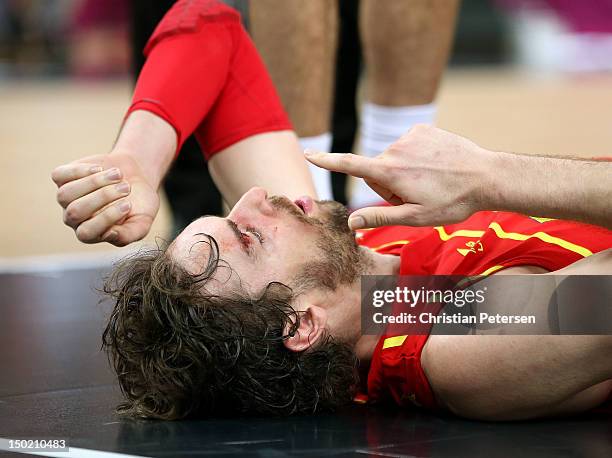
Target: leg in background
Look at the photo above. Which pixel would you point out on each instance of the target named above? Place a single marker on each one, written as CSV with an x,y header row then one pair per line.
x,y
297,41
406,47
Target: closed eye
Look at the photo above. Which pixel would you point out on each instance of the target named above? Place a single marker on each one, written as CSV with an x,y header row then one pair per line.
x,y
254,232
242,238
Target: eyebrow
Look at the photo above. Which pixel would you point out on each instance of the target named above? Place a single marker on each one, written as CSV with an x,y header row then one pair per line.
x,y
234,227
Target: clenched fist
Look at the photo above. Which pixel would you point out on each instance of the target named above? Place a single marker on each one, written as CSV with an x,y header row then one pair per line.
x,y
106,198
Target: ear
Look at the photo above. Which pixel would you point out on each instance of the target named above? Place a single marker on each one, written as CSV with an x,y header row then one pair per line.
x,y
310,331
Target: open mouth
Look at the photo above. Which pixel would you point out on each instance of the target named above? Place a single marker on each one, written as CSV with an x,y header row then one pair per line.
x,y
305,204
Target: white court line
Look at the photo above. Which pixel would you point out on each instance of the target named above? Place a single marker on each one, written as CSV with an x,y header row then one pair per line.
x,y
64,262
73,452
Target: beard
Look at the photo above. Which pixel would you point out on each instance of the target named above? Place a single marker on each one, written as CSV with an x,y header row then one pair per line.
x,y
337,259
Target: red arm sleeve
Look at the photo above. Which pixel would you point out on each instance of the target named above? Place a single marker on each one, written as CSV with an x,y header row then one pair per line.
x,y
188,59
203,75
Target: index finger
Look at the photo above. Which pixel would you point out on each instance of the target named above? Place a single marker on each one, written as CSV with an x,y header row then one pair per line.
x,y
70,172
352,164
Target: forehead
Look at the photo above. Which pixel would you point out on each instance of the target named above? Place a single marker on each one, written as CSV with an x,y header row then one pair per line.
x,y
195,245
197,250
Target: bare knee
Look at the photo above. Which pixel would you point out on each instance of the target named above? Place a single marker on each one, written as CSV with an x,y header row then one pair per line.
x,y
406,47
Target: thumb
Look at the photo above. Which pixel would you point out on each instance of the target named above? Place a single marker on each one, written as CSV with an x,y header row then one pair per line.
x,y
130,231
369,217
385,193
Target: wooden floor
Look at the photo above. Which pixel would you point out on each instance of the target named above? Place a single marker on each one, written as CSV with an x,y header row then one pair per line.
x,y
44,124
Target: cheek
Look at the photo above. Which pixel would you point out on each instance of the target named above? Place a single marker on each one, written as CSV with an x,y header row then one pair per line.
x,y
269,269
226,247
294,257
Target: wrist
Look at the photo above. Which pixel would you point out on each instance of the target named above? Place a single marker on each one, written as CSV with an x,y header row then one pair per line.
x,y
492,171
150,141
137,165
514,182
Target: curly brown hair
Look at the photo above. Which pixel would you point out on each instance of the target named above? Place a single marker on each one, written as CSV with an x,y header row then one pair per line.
x,y
179,350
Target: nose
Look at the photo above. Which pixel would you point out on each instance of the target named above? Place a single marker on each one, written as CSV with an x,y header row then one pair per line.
x,y
254,199
257,193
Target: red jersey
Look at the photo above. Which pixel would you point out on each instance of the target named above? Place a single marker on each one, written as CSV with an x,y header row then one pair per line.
x,y
485,243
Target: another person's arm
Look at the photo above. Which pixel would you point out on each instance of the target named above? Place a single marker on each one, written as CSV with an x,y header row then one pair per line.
x,y
434,177
554,187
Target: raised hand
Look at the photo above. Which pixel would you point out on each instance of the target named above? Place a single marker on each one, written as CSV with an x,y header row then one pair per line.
x,y
430,177
106,198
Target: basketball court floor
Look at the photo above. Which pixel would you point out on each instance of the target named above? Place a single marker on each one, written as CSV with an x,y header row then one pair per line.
x,y
55,383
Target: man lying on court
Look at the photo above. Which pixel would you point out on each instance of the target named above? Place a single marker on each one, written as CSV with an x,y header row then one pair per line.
x,y
260,311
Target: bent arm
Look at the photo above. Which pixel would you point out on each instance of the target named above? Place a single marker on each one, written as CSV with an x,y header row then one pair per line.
x,y
209,81
511,377
178,93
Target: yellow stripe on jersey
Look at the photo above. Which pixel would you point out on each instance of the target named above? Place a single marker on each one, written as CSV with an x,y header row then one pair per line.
x,y
396,341
543,236
386,245
460,233
542,220
490,270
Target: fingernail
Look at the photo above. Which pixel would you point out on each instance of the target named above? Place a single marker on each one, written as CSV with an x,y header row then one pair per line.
x,y
123,188
309,152
356,222
124,207
112,235
113,174
95,169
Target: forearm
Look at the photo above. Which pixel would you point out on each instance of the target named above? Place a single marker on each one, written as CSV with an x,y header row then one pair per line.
x,y
180,81
150,141
272,160
551,187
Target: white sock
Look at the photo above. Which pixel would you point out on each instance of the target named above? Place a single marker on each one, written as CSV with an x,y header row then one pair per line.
x,y
321,177
380,126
